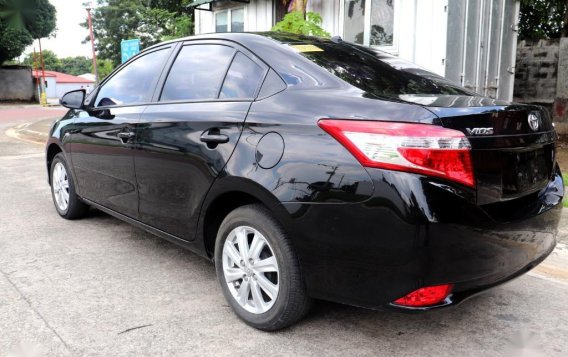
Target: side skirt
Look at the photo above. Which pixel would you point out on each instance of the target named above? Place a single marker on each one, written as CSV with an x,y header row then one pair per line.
x,y
192,246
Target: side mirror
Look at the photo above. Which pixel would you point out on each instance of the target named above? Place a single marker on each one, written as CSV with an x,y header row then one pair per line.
x,y
74,99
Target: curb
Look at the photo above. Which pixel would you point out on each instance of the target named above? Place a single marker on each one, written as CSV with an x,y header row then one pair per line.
x,y
36,132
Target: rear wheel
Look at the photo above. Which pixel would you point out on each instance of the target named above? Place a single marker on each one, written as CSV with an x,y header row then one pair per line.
x,y
67,203
258,270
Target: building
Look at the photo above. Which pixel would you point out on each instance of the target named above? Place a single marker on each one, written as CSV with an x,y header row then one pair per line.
x,y
472,42
57,84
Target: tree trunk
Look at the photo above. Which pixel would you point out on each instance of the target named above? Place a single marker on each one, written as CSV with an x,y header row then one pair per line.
x,y
296,5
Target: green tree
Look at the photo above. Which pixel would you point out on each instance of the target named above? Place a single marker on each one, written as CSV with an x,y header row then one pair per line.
x,y
76,66
13,41
104,67
71,65
151,21
543,19
22,21
50,60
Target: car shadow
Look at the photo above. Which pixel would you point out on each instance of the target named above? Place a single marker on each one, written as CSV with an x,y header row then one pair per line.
x,y
333,315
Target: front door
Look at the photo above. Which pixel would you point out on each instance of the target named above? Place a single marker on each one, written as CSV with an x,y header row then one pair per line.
x,y
186,138
103,137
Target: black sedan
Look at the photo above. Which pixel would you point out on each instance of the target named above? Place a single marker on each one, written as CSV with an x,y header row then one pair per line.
x,y
310,168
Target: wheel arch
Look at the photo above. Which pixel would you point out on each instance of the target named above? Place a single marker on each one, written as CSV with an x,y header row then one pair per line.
x,y
226,195
52,150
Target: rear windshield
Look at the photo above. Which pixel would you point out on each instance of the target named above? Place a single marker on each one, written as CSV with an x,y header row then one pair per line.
x,y
376,73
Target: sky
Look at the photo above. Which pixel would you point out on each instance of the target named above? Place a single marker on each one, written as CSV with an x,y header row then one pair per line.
x,y
67,40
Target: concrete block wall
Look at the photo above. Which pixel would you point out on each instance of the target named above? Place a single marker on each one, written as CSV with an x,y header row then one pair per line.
x,y
560,109
537,72
16,83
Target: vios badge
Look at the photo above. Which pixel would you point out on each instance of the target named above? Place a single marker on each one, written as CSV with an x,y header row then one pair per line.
x,y
534,121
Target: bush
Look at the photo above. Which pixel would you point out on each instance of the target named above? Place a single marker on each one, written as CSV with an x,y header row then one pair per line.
x,y
296,22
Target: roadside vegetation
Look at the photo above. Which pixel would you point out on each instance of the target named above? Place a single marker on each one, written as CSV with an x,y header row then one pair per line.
x,y
151,21
21,22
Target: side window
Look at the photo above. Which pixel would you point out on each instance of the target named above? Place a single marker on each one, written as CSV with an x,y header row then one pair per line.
x,y
135,82
197,72
243,78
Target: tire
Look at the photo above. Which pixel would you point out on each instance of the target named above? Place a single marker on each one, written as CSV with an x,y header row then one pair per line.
x,y
276,263
65,199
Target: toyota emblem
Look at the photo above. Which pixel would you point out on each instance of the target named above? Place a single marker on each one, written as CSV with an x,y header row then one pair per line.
x,y
534,121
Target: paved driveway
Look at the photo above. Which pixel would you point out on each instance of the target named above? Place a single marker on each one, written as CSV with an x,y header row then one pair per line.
x,y
99,287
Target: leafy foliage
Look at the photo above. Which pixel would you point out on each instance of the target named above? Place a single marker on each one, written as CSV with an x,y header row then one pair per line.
x,y
22,21
152,21
543,19
71,65
105,67
13,41
298,23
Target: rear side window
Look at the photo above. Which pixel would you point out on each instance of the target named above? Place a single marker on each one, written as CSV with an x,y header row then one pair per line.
x,y
197,73
243,79
135,83
368,71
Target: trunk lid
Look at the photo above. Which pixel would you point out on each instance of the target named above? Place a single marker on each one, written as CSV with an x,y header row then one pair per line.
x,y
513,146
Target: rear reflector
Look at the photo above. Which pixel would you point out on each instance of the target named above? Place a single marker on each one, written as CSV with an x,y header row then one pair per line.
x,y
418,148
424,297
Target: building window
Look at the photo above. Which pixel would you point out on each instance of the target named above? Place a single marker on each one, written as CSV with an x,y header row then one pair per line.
x,y
231,20
369,22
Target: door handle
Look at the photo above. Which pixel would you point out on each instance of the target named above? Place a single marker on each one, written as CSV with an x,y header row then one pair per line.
x,y
126,135
213,136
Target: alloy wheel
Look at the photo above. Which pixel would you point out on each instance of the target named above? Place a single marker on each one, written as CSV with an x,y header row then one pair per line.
x,y
250,270
60,182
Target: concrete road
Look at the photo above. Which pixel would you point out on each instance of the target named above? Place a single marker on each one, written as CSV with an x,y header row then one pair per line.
x,y
99,287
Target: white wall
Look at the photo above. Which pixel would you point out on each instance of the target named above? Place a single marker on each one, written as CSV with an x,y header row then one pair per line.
x,y
330,12
258,17
420,29
422,32
51,89
63,88
420,26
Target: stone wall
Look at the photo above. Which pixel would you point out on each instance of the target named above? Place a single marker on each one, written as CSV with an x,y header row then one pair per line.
x,y
560,109
542,76
16,83
536,72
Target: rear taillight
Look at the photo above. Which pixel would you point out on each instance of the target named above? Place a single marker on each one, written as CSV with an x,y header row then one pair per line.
x,y
418,148
424,297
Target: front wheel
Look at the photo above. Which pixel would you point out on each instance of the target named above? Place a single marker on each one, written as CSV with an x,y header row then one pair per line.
x,y
67,203
259,271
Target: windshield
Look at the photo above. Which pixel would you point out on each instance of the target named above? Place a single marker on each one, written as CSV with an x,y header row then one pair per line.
x,y
376,73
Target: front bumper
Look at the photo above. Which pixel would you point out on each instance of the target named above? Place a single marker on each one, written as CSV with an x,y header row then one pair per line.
x,y
416,232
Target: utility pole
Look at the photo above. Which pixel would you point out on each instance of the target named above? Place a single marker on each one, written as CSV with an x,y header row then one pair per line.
x,y
89,7
35,67
43,96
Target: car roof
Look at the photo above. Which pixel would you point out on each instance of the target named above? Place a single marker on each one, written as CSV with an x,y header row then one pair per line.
x,y
270,48
248,38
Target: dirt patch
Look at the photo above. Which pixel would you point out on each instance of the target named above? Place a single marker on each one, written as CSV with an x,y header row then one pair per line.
x,y
562,153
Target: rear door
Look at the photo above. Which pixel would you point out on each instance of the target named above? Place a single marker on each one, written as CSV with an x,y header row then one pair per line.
x,y
188,134
102,139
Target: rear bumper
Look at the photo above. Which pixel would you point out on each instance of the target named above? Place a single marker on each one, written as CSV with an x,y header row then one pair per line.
x,y
416,232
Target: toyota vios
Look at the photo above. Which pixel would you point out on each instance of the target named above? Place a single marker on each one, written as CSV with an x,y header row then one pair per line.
x,y
308,168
